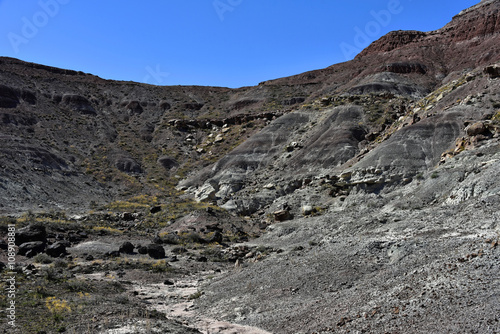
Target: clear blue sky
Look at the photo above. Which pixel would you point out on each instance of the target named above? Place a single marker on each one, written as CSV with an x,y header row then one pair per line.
x,y
229,43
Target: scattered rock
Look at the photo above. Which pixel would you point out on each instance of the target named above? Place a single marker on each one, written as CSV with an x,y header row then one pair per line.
x,y
168,282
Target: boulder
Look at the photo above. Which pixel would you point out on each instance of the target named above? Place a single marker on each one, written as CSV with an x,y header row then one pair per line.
x,y
493,71
282,215
156,251
126,248
475,129
112,254
167,162
205,193
155,209
307,210
56,249
31,233
32,248
127,216
142,250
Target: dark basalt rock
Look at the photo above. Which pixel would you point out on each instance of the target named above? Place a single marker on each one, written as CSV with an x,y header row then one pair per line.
x,y
156,251
32,248
31,233
56,249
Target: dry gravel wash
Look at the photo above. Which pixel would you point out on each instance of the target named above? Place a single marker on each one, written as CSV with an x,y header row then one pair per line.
x,y
177,303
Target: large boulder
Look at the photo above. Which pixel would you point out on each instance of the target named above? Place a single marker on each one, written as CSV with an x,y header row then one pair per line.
x,y
32,248
493,71
205,193
127,248
31,233
56,249
156,251
475,129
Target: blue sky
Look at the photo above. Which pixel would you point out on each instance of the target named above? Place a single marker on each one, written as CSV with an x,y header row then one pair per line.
x,y
229,43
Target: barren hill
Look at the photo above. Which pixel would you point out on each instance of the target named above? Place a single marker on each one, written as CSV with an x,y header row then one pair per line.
x,y
366,194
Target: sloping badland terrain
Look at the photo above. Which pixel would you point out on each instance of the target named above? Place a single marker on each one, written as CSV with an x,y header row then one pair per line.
x,y
362,197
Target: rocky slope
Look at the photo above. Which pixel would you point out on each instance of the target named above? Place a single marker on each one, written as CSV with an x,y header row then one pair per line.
x,y
373,184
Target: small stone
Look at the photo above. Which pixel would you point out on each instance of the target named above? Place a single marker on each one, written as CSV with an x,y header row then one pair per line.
x,y
219,138
307,210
